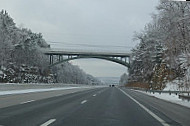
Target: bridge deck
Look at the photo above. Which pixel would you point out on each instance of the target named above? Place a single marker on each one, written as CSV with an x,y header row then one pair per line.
x,y
53,52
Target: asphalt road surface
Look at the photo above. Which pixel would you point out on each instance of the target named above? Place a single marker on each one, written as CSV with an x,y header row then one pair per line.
x,y
110,106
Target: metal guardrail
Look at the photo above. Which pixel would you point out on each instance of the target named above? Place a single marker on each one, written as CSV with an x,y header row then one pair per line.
x,y
160,91
184,97
170,92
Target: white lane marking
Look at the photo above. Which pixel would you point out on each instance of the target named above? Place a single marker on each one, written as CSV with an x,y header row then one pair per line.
x,y
94,95
83,101
146,109
48,122
27,102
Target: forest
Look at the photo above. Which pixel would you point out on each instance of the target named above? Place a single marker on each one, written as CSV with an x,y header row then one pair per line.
x,y
22,59
163,52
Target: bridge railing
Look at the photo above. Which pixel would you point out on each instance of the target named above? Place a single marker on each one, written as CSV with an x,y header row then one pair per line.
x,y
91,50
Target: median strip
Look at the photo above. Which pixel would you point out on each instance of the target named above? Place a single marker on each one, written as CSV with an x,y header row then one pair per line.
x,y
11,92
48,122
146,109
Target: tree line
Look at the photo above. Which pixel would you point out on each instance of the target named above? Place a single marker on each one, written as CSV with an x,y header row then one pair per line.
x,y
163,52
22,60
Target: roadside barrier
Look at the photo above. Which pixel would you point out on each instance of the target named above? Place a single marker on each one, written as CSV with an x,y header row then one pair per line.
x,y
185,95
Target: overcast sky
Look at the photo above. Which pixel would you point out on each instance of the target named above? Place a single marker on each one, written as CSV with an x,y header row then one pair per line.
x,y
109,23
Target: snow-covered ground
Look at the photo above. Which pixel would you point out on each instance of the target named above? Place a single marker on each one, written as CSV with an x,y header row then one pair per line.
x,y
175,86
33,90
6,89
36,90
171,98
15,86
172,86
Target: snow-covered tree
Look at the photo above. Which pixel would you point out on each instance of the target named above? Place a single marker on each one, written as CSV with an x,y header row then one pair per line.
x,y
157,58
123,79
22,59
68,73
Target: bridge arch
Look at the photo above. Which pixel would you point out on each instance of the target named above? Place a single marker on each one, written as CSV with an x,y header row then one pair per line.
x,y
121,61
57,57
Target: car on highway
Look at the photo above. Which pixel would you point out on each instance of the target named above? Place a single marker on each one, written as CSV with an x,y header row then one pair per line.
x,y
111,85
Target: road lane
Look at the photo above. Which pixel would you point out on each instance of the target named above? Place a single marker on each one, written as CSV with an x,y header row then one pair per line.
x,y
146,109
100,107
110,108
37,112
177,114
9,100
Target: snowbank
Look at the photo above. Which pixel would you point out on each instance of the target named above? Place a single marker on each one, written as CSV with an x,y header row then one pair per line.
x,y
171,98
32,90
38,90
176,85
172,86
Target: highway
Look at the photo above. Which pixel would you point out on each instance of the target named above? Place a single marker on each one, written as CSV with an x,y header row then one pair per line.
x,y
108,106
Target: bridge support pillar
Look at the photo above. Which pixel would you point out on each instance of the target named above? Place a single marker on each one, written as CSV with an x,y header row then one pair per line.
x,y
51,59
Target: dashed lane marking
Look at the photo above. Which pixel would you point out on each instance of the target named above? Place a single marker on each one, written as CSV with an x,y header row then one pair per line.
x,y
48,122
83,101
27,102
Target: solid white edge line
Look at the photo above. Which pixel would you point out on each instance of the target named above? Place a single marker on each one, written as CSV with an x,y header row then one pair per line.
x,y
83,101
48,122
27,102
146,109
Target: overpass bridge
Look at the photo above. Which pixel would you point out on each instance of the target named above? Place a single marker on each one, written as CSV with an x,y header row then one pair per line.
x,y
57,56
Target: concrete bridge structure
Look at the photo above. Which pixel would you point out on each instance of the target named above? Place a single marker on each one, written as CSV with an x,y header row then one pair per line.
x,y
60,56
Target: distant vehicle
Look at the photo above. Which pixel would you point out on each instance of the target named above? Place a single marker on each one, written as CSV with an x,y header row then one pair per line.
x,y
111,85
